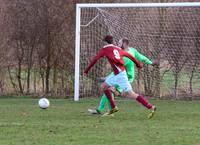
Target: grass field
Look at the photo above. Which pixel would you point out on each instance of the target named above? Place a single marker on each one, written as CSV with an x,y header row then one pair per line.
x,y
68,123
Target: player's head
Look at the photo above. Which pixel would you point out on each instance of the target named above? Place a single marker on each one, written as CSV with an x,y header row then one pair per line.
x,y
123,43
109,39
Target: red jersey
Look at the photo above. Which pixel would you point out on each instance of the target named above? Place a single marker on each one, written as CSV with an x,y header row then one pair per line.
x,y
115,56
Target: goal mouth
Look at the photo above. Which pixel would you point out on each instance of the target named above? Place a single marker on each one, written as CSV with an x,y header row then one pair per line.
x,y
168,32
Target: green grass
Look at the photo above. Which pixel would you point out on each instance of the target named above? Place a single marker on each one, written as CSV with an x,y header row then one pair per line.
x,y
68,123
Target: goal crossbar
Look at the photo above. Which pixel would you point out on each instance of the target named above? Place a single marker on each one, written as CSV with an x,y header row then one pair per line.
x,y
121,5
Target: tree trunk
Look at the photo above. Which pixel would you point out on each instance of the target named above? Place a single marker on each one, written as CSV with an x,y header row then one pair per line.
x,y
175,85
48,69
29,70
19,78
11,79
62,82
43,83
35,81
157,80
191,78
28,80
55,78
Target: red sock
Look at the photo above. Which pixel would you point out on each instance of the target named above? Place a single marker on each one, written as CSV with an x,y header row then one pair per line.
x,y
144,102
109,97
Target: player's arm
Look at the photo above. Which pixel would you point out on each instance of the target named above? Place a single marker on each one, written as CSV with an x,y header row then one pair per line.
x,y
142,58
137,63
94,60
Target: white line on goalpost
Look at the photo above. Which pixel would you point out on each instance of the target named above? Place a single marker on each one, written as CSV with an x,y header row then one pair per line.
x,y
111,5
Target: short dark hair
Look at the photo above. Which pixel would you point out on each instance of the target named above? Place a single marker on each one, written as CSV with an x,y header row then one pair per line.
x,y
125,40
108,39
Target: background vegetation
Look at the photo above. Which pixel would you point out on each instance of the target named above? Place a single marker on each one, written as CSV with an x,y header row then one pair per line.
x,y
37,47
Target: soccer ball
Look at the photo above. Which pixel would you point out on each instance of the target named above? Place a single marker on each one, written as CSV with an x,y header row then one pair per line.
x,y
43,103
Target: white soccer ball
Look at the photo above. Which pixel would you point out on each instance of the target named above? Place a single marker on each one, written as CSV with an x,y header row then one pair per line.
x,y
43,103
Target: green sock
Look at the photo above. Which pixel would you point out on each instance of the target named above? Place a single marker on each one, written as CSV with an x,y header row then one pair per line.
x,y
102,103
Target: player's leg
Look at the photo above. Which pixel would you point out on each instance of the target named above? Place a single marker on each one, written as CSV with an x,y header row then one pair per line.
x,y
107,102
143,101
113,90
110,82
103,100
117,90
108,93
102,103
127,88
139,98
113,81
109,107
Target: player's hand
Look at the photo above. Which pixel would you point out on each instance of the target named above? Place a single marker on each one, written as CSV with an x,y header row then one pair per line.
x,y
155,62
139,66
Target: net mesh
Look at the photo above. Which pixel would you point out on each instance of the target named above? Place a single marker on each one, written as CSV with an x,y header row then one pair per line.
x,y
170,35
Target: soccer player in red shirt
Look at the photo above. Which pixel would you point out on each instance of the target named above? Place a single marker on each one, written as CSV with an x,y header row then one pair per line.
x,y
115,56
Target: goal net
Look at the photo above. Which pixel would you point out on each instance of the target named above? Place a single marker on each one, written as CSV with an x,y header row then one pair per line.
x,y
168,32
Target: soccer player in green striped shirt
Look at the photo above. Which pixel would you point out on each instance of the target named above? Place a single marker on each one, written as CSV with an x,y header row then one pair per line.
x,y
130,70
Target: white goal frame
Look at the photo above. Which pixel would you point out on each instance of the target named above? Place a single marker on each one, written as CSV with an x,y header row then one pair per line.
x,y
111,5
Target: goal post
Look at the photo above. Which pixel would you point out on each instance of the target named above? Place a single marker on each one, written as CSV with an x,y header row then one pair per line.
x,y
104,25
77,53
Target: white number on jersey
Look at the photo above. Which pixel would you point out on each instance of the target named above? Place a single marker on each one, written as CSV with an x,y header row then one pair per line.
x,y
116,54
